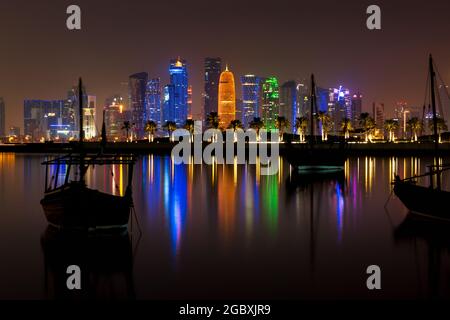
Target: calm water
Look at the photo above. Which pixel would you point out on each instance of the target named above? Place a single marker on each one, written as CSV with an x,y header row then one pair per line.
x,y
228,232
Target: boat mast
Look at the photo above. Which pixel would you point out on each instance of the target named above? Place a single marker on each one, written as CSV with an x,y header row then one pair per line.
x,y
435,128
313,102
80,106
81,134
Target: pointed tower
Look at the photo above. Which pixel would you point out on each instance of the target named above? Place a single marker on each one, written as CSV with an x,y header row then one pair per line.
x,y
226,99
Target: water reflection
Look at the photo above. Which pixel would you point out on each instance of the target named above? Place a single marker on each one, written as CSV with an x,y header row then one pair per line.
x,y
430,241
105,262
208,229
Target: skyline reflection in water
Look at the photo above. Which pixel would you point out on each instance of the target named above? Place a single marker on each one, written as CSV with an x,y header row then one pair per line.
x,y
225,231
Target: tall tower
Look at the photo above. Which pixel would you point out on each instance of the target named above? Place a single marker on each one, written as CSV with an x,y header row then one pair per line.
x,y
137,84
213,68
179,81
189,102
227,99
250,98
153,101
356,107
288,102
270,102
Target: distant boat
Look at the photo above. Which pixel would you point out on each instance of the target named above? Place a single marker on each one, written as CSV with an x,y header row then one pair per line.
x,y
71,204
313,158
426,201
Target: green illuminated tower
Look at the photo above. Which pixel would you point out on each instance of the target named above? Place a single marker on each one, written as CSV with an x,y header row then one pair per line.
x,y
270,102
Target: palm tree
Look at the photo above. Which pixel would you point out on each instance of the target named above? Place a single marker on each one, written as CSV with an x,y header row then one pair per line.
x,y
415,125
170,126
127,126
212,120
235,124
326,124
368,125
391,125
346,127
441,126
301,124
256,124
150,128
281,123
190,126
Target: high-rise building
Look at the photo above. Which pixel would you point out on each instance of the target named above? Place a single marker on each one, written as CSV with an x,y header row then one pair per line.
x,y
250,98
168,104
227,99
73,109
114,117
356,107
322,100
213,69
153,101
46,119
270,102
378,115
189,102
179,97
303,100
288,102
137,86
339,106
2,117
89,115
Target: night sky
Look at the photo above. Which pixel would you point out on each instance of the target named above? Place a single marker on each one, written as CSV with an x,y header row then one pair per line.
x,y
41,59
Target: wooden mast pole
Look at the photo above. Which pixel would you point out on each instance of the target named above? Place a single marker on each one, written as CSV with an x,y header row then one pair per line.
x,y
435,128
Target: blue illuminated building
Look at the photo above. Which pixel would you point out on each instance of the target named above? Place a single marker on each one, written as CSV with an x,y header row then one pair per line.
x,y
168,104
288,102
153,101
250,98
177,93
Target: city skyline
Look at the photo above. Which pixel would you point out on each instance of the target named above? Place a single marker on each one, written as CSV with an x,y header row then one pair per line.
x,y
371,62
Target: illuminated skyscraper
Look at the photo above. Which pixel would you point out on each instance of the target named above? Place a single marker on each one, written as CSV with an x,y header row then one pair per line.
x,y
189,102
226,99
378,115
250,98
356,107
72,109
114,117
288,102
137,86
270,102
303,100
179,92
339,106
45,119
168,104
153,101
90,130
213,69
2,117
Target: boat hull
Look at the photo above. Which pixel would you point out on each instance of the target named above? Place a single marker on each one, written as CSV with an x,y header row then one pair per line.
x,y
78,207
317,159
421,200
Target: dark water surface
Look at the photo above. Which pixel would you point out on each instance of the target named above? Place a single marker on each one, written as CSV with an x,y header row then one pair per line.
x,y
229,232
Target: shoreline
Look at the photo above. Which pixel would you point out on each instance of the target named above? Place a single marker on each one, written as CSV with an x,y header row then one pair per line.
x,y
165,148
